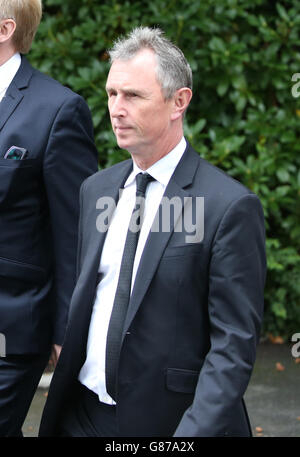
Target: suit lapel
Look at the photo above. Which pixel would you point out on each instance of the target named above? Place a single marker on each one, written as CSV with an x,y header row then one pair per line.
x,y
84,294
157,241
14,94
9,104
111,193
110,190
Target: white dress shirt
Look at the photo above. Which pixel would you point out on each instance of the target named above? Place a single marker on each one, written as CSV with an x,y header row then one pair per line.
x,y
92,373
7,73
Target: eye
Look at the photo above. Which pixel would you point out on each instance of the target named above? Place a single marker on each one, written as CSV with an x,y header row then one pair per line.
x,y
131,95
111,93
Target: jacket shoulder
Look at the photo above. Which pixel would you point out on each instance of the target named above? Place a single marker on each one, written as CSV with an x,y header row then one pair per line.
x,y
210,178
107,175
49,83
218,188
222,177
42,84
215,181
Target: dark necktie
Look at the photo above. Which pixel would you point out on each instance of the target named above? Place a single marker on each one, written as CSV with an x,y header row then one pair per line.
x,y
122,297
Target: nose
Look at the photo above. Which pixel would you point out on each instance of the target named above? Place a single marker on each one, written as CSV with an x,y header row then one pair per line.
x,y
117,107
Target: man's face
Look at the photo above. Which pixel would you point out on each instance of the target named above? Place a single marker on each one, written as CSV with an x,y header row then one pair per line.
x,y
140,116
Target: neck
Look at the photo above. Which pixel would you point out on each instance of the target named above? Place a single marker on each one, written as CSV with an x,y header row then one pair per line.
x,y
6,54
144,159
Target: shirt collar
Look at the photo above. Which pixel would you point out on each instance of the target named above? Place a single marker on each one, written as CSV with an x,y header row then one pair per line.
x,y
163,169
8,70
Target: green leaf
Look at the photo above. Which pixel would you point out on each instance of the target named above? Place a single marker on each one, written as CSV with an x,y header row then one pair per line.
x,y
282,12
283,175
217,44
222,88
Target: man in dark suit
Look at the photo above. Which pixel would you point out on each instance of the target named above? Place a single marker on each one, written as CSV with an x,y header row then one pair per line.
x,y
46,151
162,333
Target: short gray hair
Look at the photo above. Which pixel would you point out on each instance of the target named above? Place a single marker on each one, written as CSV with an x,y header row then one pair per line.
x,y
173,70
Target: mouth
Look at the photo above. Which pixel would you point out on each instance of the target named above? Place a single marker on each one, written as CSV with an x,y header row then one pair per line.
x,y
121,128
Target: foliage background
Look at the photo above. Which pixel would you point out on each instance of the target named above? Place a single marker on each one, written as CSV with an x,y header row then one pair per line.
x,y
243,117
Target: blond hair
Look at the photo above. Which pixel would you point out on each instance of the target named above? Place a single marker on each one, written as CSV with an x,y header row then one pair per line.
x,y
27,15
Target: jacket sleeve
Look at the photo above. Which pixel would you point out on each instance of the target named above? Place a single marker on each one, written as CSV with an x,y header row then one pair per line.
x,y
235,307
70,157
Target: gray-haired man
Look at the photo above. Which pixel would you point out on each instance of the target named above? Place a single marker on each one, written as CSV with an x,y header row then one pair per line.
x,y
162,332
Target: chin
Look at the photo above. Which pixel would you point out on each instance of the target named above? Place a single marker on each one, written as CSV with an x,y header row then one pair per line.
x,y
123,144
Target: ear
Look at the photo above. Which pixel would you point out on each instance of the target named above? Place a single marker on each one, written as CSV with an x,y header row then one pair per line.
x,y
182,100
7,29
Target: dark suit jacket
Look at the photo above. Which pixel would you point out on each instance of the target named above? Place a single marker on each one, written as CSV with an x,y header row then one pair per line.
x,y
194,317
39,206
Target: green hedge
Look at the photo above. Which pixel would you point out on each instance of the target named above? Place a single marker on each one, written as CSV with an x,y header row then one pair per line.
x,y
244,115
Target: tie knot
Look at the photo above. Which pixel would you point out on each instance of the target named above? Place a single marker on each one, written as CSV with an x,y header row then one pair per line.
x,y
142,180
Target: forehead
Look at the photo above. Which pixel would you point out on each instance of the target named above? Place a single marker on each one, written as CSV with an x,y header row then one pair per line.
x,y
140,71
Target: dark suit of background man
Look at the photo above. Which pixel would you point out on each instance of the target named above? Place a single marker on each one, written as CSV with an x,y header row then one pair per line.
x,y
188,342
46,151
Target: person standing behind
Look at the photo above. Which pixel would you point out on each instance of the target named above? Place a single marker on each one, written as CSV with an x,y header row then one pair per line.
x,y
46,151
